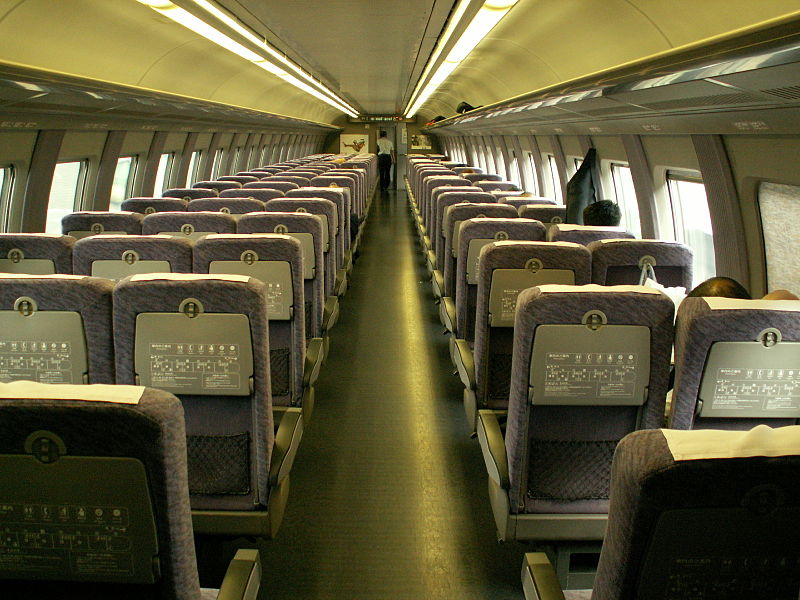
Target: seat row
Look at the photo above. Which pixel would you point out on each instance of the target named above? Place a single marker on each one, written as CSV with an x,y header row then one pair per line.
x,y
557,372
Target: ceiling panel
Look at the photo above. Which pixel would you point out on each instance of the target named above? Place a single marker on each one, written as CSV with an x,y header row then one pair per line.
x,y
367,51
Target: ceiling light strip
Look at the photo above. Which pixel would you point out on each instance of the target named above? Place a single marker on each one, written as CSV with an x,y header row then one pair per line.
x,y
262,44
482,23
197,25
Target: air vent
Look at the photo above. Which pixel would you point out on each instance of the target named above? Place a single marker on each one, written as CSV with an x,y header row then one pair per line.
x,y
791,92
697,101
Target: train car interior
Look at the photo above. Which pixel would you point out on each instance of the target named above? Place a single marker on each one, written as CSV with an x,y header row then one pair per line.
x,y
367,299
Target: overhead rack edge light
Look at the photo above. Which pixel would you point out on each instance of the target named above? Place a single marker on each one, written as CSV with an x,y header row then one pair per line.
x,y
482,23
185,18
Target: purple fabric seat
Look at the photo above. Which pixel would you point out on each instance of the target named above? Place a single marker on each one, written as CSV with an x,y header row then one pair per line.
x,y
441,199
620,262
232,206
219,186
497,186
117,256
264,195
59,350
288,176
242,179
189,194
90,222
36,253
191,225
475,177
306,228
282,186
341,198
736,362
454,215
473,236
254,255
585,234
147,206
161,323
590,364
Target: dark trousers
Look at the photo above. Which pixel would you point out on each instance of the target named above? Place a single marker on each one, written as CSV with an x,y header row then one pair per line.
x,y
385,170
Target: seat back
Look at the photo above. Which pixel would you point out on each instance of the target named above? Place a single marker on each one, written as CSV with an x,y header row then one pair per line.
x,y
341,198
430,182
454,215
277,261
623,262
205,338
56,329
86,223
287,176
118,256
343,181
734,493
474,177
359,177
737,364
474,234
548,215
189,225
219,186
325,210
429,214
264,195
590,365
282,186
189,194
467,169
35,253
585,234
306,228
242,179
438,210
232,206
505,269
148,206
254,173
497,186
517,200
100,471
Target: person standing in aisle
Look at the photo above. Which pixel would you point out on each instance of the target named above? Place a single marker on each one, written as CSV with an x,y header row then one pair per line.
x,y
386,157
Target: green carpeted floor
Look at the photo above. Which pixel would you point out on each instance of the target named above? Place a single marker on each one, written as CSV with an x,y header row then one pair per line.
x,y
388,498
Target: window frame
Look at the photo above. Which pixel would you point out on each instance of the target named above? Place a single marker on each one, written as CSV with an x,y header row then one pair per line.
x,y
80,187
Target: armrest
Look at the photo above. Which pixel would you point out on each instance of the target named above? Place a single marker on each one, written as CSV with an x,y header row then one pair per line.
x,y
437,281
447,313
493,447
287,440
330,313
539,580
242,578
314,356
465,362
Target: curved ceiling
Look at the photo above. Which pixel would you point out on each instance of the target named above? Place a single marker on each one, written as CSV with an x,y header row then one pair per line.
x,y
369,51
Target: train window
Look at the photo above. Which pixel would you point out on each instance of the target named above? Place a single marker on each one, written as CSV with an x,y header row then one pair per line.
x,y
6,187
66,192
780,212
513,169
691,220
265,155
217,166
163,173
554,179
235,165
578,162
625,194
123,181
530,170
194,167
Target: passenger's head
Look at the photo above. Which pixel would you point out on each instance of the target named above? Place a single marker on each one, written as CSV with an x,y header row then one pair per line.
x,y
781,295
603,213
723,287
382,134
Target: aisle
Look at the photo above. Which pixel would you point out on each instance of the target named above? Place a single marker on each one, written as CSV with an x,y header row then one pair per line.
x,y
388,498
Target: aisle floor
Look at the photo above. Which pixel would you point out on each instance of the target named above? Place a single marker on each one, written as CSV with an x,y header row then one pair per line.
x,y
388,493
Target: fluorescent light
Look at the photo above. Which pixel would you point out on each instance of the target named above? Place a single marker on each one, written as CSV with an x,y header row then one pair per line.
x,y
188,20
482,23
